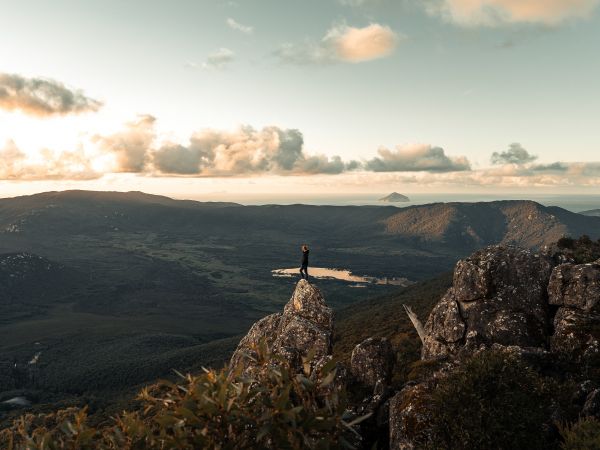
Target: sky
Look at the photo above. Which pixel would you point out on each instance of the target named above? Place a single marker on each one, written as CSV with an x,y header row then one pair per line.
x,y
196,97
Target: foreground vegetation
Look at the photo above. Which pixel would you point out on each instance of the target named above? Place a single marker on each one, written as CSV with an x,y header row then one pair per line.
x,y
272,409
494,400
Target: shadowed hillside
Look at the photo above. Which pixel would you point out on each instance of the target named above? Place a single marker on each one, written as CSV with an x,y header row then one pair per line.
x,y
518,222
116,289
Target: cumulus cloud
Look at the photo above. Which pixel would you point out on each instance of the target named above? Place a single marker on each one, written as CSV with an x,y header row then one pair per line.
x,y
249,151
515,154
342,43
245,151
46,165
235,25
131,146
415,158
498,12
42,97
219,59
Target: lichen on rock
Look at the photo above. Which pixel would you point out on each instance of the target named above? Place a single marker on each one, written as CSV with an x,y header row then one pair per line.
x,y
306,325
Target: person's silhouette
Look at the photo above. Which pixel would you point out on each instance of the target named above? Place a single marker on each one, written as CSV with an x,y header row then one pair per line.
x,y
304,265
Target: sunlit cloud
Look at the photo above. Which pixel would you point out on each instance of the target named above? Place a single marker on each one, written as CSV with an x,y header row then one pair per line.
x,y
45,165
499,12
263,153
130,146
42,97
235,25
243,152
342,43
415,158
219,59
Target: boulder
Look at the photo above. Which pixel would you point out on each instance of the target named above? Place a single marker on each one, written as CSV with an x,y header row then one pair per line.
x,y
409,416
576,333
372,361
498,296
265,329
575,286
445,328
306,324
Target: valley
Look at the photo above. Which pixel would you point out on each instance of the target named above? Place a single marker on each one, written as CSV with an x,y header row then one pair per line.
x,y
118,289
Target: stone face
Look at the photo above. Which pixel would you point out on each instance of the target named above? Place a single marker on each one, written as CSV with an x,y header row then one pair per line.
x,y
445,328
575,285
575,288
265,328
409,417
498,296
576,333
372,361
308,302
303,335
306,324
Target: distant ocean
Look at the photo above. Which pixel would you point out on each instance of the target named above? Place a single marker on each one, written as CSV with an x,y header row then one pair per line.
x,y
575,203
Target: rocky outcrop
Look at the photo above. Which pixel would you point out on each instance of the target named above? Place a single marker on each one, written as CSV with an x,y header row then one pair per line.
x,y
408,416
498,296
530,306
575,289
372,362
305,325
511,300
575,286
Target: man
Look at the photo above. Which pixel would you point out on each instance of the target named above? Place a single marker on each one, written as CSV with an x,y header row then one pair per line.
x,y
304,266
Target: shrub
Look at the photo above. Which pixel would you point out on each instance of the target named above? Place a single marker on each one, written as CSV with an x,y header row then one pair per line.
x,y
582,435
582,250
276,409
566,242
492,401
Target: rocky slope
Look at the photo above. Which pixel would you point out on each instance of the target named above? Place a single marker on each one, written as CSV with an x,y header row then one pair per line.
x,y
539,306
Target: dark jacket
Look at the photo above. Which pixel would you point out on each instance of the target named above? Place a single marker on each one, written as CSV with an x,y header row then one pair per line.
x,y
305,258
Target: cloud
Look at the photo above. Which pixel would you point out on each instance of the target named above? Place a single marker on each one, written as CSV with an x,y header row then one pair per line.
x,y
219,59
235,25
276,151
215,153
416,158
246,151
516,154
46,165
131,146
342,43
42,97
500,12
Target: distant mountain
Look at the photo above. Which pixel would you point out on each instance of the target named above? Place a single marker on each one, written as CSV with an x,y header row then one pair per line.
x,y
519,222
591,212
394,197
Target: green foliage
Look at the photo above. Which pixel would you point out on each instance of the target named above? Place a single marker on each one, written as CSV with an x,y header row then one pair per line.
x,y
581,435
493,401
271,408
582,250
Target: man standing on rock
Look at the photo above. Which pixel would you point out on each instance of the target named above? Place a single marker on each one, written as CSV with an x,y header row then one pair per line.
x,y
304,266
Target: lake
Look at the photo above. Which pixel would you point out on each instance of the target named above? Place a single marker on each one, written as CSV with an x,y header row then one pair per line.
x,y
343,275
